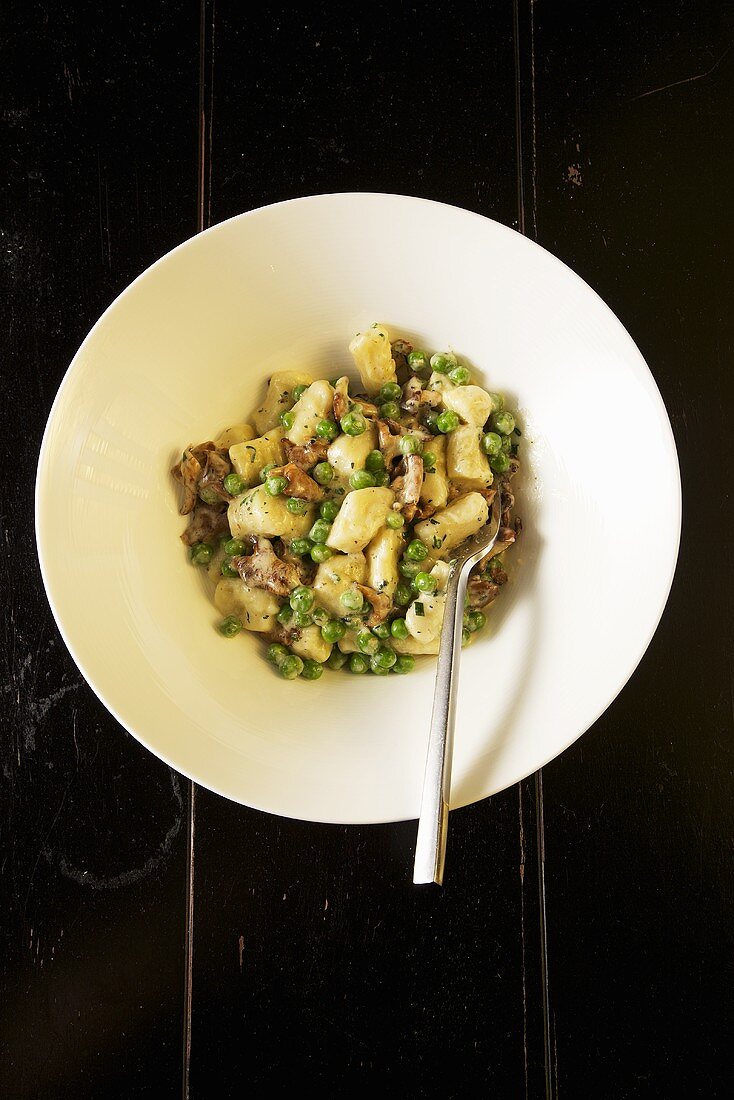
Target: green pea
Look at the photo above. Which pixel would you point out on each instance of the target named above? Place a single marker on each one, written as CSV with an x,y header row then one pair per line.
x,y
301,547
234,484
356,620
424,582
323,473
410,445
431,421
329,510
459,376
443,361
327,429
367,642
491,443
429,460
352,599
395,520
390,411
227,569
336,659
285,614
382,478
275,485
288,419
416,550
353,423
409,568
209,495
498,402
507,444
374,462
391,391
295,505
402,595
417,360
358,663
377,670
405,663
234,547
332,631
384,658
277,653
381,631
230,626
320,553
361,479
291,667
311,670
266,470
320,531
302,598
476,620
298,391
503,422
500,463
302,619
447,421
465,637
399,629
201,553
320,616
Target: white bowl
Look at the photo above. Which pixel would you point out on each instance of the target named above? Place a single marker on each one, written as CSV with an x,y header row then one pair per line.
x,y
186,349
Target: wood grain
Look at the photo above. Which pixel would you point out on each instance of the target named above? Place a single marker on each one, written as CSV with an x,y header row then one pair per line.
x,y
99,131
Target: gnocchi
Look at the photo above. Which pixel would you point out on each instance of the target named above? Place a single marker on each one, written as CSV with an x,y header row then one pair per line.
x,y
326,523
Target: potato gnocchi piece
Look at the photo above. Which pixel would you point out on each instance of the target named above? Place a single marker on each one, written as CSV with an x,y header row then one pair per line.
x,y
435,487
258,513
279,398
361,516
335,576
311,644
471,404
424,617
372,356
446,529
312,406
382,555
416,647
230,437
254,607
467,466
348,453
249,458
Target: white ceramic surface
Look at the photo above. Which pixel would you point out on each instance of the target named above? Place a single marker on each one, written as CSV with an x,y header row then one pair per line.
x,y
186,349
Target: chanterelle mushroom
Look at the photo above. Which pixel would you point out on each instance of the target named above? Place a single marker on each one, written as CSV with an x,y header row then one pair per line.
x,y
307,455
299,483
264,569
378,601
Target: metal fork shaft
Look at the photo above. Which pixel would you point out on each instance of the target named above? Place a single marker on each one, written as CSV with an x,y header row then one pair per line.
x,y
430,850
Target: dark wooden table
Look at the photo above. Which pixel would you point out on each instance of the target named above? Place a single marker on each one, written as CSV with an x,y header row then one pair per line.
x,y
582,945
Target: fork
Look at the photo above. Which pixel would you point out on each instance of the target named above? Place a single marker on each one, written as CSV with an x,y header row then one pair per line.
x,y
430,851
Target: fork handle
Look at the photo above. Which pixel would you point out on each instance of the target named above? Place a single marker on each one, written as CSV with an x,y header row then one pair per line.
x,y
430,850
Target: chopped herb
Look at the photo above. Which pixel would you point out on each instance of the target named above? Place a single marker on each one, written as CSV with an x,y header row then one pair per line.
x,y
437,542
434,522
254,453
517,430
419,609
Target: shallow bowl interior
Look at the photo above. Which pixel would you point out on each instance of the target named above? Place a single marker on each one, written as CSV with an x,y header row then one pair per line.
x,y
186,350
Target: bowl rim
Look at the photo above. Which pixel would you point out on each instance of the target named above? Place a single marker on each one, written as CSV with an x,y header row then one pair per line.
x,y
43,551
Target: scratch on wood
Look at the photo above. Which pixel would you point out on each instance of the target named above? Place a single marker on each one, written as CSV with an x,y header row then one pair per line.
x,y
522,941
241,947
686,79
